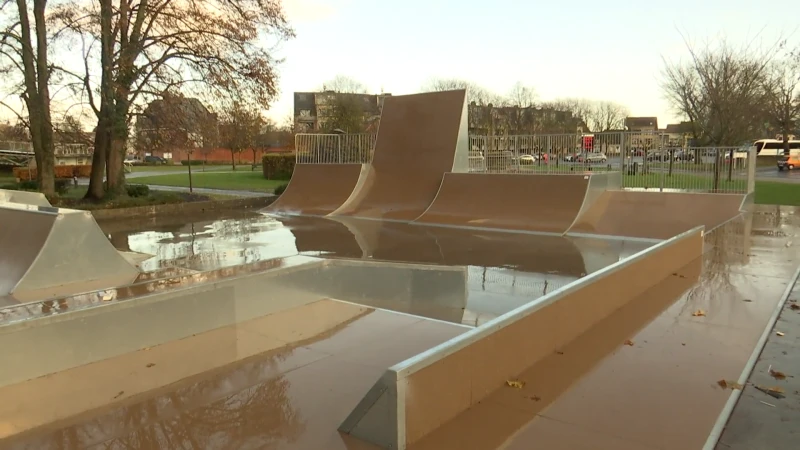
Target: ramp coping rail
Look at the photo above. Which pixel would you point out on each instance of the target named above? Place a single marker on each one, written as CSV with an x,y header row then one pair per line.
x,y
430,356
388,385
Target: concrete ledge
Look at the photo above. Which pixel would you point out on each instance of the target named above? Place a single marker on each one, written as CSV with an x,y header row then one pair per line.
x,y
182,208
417,396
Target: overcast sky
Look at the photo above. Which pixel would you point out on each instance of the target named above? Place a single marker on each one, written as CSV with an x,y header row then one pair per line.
x,y
579,48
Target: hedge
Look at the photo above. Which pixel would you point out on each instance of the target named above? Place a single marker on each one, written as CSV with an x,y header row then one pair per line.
x,y
25,174
200,162
278,166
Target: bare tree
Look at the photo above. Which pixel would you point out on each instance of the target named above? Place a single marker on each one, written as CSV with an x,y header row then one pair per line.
x,y
606,115
241,124
148,47
475,93
720,91
580,108
23,52
522,96
345,113
783,97
345,85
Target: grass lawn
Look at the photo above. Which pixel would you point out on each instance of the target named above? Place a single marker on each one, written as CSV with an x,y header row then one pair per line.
x,y
238,181
74,199
772,193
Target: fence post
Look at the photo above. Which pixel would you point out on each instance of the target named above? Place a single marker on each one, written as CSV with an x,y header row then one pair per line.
x,y
751,169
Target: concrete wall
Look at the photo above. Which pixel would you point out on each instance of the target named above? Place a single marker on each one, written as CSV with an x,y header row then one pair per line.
x,y
182,208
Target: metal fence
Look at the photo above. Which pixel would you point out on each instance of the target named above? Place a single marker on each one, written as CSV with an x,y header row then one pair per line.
x,y
647,160
334,148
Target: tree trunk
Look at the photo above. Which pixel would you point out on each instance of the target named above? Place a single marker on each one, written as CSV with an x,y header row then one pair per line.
x,y
96,190
233,159
46,172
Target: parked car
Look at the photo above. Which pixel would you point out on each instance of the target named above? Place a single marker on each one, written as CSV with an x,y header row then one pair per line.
x,y
150,159
593,158
528,159
789,162
683,155
658,156
571,157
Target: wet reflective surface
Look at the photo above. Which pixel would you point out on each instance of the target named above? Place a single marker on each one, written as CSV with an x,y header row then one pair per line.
x,y
505,270
259,385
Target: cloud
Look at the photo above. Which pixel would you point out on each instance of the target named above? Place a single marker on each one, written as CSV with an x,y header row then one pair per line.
x,y
305,11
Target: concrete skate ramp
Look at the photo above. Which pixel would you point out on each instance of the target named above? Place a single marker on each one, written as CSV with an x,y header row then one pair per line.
x,y
47,252
317,189
23,197
417,396
392,241
656,215
537,203
421,137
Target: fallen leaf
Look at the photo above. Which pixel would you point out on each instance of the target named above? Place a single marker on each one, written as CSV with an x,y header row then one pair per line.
x,y
150,365
747,300
629,343
774,392
699,313
780,334
794,306
535,398
732,385
516,384
777,375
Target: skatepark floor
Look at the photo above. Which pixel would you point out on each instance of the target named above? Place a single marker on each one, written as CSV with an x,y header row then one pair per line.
x,y
644,378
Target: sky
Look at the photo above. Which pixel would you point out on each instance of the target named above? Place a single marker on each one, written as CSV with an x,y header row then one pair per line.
x,y
581,48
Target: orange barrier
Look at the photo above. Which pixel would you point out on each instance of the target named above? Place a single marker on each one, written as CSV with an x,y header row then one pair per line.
x,y
419,395
317,189
656,215
421,137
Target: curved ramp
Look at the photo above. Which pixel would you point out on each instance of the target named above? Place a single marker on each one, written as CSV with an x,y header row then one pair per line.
x,y
23,197
317,189
49,252
535,203
656,215
392,241
421,137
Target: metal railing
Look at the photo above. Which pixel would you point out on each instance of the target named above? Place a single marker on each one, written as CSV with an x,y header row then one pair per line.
x,y
646,160
695,169
334,148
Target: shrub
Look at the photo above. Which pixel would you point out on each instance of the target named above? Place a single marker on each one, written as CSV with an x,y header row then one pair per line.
x,y
62,185
24,173
277,166
138,190
279,190
29,185
200,162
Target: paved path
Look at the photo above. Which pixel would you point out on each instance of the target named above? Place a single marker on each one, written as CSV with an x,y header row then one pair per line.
x,y
773,174
156,187
760,420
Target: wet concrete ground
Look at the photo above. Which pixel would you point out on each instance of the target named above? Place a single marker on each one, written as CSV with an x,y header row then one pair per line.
x,y
767,413
505,270
646,378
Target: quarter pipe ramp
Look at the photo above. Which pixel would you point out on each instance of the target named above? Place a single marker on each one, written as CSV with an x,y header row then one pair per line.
x,y
317,189
48,252
655,215
24,197
535,203
421,137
